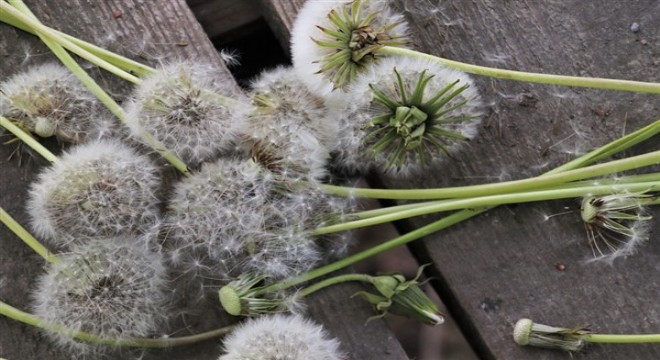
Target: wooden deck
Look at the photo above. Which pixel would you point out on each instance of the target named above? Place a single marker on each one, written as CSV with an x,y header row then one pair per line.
x,y
508,263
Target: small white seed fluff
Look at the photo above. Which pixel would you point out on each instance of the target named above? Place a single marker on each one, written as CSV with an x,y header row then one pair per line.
x,y
112,288
98,189
180,107
307,54
49,100
354,155
280,337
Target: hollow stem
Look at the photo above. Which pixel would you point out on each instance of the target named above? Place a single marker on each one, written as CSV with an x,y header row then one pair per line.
x,y
30,319
596,83
578,184
492,200
27,238
27,139
53,41
500,188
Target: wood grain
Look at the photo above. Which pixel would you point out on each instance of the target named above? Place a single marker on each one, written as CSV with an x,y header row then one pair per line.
x,y
152,32
503,265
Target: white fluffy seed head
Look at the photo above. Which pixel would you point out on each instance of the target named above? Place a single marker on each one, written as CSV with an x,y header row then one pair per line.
x,y
235,216
49,100
316,41
98,189
111,288
179,107
280,337
415,129
291,130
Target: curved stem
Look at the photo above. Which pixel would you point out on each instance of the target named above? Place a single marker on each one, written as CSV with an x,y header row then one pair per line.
x,y
29,319
27,139
499,188
27,238
621,338
596,83
332,281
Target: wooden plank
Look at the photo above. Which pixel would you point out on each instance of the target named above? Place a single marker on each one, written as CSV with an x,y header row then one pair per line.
x,y
150,32
504,264
280,16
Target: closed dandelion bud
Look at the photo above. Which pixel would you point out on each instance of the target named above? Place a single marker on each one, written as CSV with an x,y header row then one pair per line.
x,y
234,216
528,333
111,288
406,116
241,297
100,189
333,41
405,298
616,224
280,337
49,100
179,106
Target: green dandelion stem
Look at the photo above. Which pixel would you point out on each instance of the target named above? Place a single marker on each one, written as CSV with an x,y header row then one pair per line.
x,y
602,152
131,66
30,319
27,238
596,83
489,201
116,64
27,139
333,281
620,181
500,188
53,42
621,338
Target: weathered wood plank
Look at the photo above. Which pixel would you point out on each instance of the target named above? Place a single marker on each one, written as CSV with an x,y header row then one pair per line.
x,y
503,265
150,32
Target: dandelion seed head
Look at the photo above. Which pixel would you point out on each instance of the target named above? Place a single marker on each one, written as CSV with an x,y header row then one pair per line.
x,y
99,189
280,337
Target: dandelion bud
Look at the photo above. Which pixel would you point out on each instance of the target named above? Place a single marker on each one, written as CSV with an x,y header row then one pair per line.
x,y
280,337
179,106
111,288
406,116
616,224
528,333
404,298
99,189
333,41
49,100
